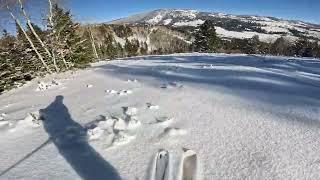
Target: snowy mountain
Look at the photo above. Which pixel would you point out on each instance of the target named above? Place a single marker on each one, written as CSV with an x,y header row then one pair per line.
x,y
228,26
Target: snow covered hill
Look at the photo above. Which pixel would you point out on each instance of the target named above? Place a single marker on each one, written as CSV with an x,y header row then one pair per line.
x,y
246,117
228,26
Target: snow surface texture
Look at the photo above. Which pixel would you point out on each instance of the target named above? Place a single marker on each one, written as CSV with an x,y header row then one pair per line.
x,y
246,117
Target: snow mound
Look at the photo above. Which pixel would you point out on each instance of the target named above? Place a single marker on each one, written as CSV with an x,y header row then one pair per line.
x,y
100,128
95,133
33,120
171,85
2,116
120,125
169,131
164,119
208,67
124,92
89,86
3,123
132,81
42,86
122,138
115,127
111,91
130,111
152,107
120,93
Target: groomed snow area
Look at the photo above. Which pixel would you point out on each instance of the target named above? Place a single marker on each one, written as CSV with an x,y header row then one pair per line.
x,y
247,117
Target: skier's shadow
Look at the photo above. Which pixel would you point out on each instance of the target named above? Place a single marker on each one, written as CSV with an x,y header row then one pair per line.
x,y
70,139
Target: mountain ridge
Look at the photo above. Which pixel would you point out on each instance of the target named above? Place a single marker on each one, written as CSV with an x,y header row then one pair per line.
x,y
228,25
213,12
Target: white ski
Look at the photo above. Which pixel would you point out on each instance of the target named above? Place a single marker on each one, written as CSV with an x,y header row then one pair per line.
x,y
189,165
160,170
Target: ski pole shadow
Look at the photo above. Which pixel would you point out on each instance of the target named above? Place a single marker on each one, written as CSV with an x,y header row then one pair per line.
x,y
70,139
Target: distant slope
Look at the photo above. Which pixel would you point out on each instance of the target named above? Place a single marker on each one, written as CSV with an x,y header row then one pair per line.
x,y
228,26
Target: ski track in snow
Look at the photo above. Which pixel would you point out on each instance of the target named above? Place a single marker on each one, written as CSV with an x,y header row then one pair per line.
x,y
246,117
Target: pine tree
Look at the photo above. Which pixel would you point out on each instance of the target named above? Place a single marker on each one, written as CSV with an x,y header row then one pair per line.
x,y
206,39
303,47
127,48
144,48
110,49
71,46
316,49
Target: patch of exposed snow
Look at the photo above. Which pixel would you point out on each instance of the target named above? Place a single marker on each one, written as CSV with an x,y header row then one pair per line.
x,y
156,19
167,21
119,40
314,34
275,29
191,14
194,23
246,34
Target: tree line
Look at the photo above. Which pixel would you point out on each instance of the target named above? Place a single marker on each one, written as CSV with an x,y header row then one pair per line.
x,y
206,40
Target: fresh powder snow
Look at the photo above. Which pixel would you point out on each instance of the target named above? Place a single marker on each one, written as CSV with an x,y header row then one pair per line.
x,y
245,117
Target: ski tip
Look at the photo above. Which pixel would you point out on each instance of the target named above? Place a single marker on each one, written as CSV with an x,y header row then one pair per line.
x,y
188,152
162,152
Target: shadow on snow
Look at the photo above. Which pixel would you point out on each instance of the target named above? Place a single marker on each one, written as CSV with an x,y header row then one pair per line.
x,y
259,78
70,139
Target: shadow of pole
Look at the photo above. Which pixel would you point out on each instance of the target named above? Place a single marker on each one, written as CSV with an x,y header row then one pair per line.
x,y
25,157
70,139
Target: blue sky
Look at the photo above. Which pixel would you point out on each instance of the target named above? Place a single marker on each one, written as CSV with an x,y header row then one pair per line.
x,y
106,10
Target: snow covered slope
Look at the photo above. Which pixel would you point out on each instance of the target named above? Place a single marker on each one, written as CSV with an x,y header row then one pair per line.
x,y
246,25
246,117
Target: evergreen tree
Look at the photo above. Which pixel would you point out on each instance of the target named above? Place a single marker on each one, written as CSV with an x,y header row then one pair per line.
x,y
303,47
120,51
206,39
23,49
132,47
281,47
316,49
110,50
144,48
71,45
127,47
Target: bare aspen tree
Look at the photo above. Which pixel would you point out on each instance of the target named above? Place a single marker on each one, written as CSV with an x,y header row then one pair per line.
x,y
93,43
53,34
36,35
29,39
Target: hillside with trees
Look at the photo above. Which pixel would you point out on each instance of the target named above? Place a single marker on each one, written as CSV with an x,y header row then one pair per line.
x,y
65,44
